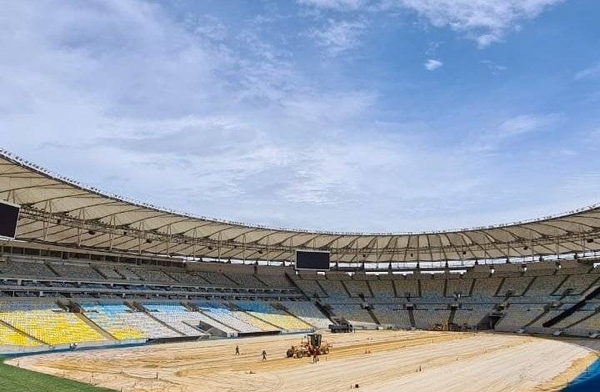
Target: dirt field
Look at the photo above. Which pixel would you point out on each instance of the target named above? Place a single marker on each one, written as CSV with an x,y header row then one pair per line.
x,y
407,361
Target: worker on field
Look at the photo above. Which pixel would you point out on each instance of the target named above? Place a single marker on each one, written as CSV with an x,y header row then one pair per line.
x,y
264,355
315,357
237,350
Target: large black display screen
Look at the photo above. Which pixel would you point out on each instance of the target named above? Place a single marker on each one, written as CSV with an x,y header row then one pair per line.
x,y
310,260
9,214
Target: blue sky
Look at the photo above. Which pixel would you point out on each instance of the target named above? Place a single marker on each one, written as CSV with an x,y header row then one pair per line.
x,y
345,115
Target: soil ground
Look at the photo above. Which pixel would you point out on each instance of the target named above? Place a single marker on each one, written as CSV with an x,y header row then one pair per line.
x,y
372,360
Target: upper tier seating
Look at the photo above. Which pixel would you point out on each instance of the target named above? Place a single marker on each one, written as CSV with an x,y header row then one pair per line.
x,y
108,272
516,285
76,271
155,276
311,288
245,280
578,284
406,287
486,287
432,287
280,281
458,285
188,278
358,287
217,279
25,269
127,273
382,289
544,286
334,289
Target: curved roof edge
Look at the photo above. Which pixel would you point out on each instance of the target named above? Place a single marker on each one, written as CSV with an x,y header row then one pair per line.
x,y
8,155
54,206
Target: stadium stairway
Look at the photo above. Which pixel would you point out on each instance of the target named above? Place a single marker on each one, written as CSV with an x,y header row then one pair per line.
x,y
49,266
445,288
345,289
565,294
452,314
326,310
411,317
395,290
257,277
472,288
568,312
253,316
23,333
524,293
95,327
141,308
582,321
104,275
189,306
291,281
498,291
370,310
322,288
278,305
371,293
543,314
559,286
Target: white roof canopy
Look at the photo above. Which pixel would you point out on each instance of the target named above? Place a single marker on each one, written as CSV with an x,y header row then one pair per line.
x,y
56,210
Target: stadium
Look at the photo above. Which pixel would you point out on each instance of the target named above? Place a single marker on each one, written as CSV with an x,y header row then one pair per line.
x,y
300,195
135,298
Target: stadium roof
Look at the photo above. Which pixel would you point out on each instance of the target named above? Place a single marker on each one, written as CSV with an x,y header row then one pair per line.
x,y
59,211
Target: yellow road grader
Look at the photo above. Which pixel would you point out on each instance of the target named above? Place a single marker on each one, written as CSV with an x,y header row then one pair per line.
x,y
309,345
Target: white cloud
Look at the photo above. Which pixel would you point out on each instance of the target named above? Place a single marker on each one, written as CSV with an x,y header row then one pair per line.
x,y
485,21
494,68
512,128
339,36
524,124
216,120
335,4
592,72
432,64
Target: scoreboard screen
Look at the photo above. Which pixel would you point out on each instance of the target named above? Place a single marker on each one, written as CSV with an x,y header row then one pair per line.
x,y
312,260
9,215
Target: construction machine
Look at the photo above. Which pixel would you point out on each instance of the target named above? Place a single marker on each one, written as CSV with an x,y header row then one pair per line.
x,y
309,345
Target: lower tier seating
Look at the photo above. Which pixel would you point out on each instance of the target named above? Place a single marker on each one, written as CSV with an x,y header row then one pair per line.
x,y
279,318
49,323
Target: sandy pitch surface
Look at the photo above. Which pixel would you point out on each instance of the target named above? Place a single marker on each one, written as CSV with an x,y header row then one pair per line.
x,y
376,361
